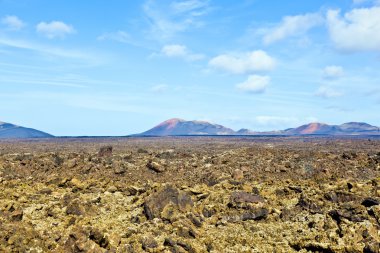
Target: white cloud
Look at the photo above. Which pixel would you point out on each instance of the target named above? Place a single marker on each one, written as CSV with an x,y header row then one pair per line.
x,y
180,51
292,25
159,88
332,72
357,30
166,19
48,50
13,22
54,29
245,63
254,84
327,92
119,36
174,50
193,6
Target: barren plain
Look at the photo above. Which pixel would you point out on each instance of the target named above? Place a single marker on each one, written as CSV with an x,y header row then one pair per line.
x,y
194,194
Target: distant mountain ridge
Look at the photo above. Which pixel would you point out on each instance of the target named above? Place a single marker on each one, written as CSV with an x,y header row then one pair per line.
x,y
350,128
177,126
182,127
11,131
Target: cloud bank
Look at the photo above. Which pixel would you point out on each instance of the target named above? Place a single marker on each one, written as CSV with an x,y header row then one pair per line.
x,y
357,30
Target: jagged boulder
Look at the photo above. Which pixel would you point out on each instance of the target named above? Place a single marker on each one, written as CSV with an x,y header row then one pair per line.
x,y
156,203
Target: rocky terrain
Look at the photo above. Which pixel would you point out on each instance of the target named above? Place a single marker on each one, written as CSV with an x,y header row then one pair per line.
x,y
190,195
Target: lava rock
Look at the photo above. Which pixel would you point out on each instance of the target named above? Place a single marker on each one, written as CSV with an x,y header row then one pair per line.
x,y
155,166
105,151
297,189
98,238
46,191
142,151
120,169
75,208
340,197
156,202
372,247
17,215
197,222
149,243
308,204
169,242
112,189
368,202
244,197
255,214
349,213
76,183
167,154
238,174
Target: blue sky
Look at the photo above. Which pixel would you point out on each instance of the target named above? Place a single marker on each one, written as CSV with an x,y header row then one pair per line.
x,y
119,67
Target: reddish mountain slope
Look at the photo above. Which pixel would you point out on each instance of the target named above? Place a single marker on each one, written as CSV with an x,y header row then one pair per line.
x,y
182,127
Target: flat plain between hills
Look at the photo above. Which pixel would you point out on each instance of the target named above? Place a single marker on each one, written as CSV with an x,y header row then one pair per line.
x,y
195,194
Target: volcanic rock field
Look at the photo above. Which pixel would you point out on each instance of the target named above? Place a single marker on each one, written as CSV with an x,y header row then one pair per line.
x,y
194,194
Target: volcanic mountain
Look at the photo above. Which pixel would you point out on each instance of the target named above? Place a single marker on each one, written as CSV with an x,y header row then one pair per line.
x,y
10,131
313,128
245,131
350,128
183,127
358,127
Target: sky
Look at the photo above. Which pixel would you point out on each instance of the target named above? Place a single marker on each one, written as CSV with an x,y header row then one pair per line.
x,y
116,67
